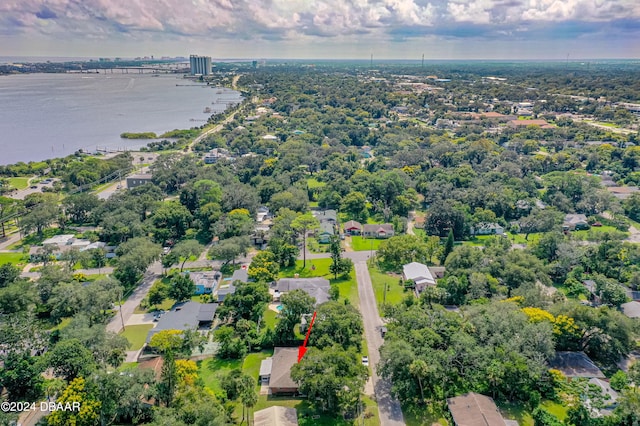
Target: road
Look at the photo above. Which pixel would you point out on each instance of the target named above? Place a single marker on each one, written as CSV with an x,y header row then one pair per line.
x,y
153,273
388,407
634,236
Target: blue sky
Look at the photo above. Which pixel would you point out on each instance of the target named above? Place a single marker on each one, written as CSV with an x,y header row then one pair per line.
x,y
393,29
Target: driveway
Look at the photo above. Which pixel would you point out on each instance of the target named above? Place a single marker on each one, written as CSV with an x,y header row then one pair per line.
x,y
388,407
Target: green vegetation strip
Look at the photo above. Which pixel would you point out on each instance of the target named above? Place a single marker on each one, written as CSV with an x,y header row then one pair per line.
x,y
136,335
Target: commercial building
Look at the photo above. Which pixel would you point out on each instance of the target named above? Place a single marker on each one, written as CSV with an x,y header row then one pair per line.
x,y
200,65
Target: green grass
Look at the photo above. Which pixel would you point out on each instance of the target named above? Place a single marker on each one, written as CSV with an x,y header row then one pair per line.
x,y
251,364
313,204
270,318
556,409
313,183
348,286
395,291
13,258
516,412
371,220
19,182
127,366
359,243
422,417
136,335
212,370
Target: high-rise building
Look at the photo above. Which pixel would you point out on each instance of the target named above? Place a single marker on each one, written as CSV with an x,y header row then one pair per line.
x,y
200,65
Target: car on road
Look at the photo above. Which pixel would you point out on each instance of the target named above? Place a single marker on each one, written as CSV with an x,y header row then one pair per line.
x,y
34,187
365,361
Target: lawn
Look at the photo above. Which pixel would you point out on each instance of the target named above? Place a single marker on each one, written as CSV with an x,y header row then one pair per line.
x,y
556,409
395,291
422,417
359,243
605,228
516,412
136,335
13,258
348,287
19,182
251,364
313,183
269,318
212,370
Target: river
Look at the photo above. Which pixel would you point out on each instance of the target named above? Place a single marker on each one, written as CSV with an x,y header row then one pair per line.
x,y
53,115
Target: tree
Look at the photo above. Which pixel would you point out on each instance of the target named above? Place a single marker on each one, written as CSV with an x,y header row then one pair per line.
x,y
42,211
285,252
336,388
337,324
228,250
354,204
80,206
184,250
76,392
157,293
181,287
339,266
171,221
8,274
401,249
294,304
231,346
432,247
442,218
263,267
304,224
123,396
249,302
135,256
21,376
448,246
71,359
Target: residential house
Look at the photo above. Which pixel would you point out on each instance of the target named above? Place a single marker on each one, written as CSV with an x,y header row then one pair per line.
x,y
263,214
215,155
317,288
591,287
276,416
223,292
185,316
138,180
330,216
487,228
575,222
270,137
353,228
280,381
384,230
58,245
631,309
325,232
575,364
474,409
419,221
419,274
205,282
241,275
623,192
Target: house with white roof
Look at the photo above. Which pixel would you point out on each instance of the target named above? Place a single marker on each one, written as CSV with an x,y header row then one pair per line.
x,y
420,274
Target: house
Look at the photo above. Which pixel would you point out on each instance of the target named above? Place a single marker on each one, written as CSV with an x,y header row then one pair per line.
x,y
58,245
139,179
437,271
575,222
384,230
280,381
474,409
240,275
419,274
215,155
276,416
317,288
265,370
487,228
262,214
330,216
631,309
223,292
623,192
575,364
353,228
419,221
205,282
270,137
325,233
185,316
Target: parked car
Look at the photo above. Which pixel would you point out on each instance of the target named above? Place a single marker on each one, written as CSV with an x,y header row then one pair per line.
x,y
365,361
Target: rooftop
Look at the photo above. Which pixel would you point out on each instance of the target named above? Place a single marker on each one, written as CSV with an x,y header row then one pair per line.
x,y
282,361
575,364
474,409
276,416
631,309
418,272
184,316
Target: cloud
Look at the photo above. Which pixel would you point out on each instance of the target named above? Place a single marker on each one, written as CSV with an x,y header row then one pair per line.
x,y
295,20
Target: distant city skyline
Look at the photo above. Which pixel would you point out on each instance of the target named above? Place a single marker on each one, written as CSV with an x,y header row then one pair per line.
x,y
323,29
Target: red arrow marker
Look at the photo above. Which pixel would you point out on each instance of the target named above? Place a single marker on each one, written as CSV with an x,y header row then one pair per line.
x,y
303,349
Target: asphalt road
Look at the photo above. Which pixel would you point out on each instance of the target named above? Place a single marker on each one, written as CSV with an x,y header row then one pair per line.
x,y
388,407
153,273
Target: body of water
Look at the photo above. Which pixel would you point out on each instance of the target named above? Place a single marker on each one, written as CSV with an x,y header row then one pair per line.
x,y
53,115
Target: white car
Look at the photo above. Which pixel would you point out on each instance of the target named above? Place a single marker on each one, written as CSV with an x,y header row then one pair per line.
x,y
365,361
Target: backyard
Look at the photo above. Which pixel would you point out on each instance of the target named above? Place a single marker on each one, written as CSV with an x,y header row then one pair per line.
x,y
136,335
359,243
395,291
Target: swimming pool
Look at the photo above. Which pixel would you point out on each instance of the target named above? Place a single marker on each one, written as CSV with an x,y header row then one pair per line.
x,y
279,308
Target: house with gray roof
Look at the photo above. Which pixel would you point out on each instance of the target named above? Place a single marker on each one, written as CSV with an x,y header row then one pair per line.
x,y
631,309
474,409
317,288
383,230
575,364
325,232
276,416
573,222
330,216
185,316
205,282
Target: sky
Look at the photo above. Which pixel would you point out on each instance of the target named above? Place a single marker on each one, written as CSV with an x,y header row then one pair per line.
x,y
323,29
